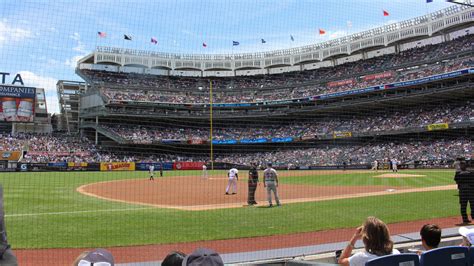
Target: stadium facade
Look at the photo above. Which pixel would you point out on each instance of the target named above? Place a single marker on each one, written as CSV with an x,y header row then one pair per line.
x,y
170,105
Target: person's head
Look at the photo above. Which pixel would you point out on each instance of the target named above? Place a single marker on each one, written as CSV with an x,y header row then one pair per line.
x,y
80,257
203,256
430,236
376,237
174,258
269,165
96,256
463,165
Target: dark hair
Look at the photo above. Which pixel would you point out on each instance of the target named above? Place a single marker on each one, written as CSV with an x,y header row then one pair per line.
x,y
174,258
376,237
463,165
431,233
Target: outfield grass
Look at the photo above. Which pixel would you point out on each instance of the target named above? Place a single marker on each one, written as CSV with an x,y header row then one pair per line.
x,y
45,211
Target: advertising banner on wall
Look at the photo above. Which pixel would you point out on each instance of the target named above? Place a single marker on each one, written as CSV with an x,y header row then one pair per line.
x,y
76,166
387,74
146,166
10,155
188,165
342,134
17,103
441,126
340,83
117,166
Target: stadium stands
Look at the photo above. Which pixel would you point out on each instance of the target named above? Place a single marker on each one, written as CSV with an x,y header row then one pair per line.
x,y
408,65
385,122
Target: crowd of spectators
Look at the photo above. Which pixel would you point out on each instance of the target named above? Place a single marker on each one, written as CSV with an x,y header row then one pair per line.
x,y
419,117
429,152
408,65
44,149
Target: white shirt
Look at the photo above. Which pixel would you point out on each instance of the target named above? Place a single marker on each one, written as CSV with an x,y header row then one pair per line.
x,y
152,168
360,258
204,167
232,173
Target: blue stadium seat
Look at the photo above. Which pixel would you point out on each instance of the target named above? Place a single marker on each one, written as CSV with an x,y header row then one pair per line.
x,y
446,256
395,260
471,256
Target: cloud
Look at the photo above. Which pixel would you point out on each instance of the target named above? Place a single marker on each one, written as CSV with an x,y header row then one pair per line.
x,y
75,36
11,34
72,62
79,48
47,83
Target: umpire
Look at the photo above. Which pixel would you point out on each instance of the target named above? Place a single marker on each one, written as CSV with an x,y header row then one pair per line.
x,y
253,183
465,181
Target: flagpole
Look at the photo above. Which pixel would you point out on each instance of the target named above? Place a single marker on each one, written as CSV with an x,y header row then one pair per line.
x,y
96,37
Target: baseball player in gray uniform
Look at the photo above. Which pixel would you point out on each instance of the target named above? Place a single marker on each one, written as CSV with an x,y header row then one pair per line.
x,y
270,181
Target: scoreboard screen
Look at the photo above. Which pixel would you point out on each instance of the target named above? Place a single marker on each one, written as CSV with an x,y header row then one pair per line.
x,y
17,103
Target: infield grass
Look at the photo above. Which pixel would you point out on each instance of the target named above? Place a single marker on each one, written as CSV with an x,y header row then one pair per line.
x,y
43,210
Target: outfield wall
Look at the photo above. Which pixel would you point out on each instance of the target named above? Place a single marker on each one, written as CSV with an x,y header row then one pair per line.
x,y
169,166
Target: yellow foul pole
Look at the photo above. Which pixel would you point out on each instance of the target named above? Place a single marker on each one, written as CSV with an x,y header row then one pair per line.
x,y
210,122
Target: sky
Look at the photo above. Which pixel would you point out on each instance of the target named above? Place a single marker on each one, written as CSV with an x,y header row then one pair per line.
x,y
42,40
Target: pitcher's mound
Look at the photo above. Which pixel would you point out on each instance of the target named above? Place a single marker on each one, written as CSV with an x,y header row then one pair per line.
x,y
395,175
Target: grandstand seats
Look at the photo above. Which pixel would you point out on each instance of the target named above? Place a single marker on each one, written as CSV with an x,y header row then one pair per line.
x,y
415,118
395,260
407,65
445,256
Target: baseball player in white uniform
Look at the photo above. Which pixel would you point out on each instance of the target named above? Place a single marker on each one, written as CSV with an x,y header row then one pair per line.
x,y
232,184
151,171
375,165
204,171
394,165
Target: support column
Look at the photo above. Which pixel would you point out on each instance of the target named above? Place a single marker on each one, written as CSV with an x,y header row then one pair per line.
x,y
96,133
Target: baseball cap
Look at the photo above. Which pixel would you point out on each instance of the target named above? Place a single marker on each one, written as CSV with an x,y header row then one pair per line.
x,y
203,256
99,257
467,233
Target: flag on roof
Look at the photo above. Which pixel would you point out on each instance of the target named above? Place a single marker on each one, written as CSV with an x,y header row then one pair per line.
x,y
204,45
102,34
154,40
235,43
127,37
263,41
292,39
322,32
385,13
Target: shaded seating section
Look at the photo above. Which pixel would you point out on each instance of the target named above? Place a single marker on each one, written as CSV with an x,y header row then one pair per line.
x,y
395,260
446,256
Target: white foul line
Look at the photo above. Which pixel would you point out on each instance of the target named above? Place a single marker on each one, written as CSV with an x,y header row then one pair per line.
x,y
73,212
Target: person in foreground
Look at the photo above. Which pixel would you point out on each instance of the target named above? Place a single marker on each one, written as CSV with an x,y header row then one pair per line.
x,y
376,238
467,236
465,181
98,256
430,237
174,258
7,257
203,256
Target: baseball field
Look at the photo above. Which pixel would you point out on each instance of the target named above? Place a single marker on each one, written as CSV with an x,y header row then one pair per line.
x,y
105,209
